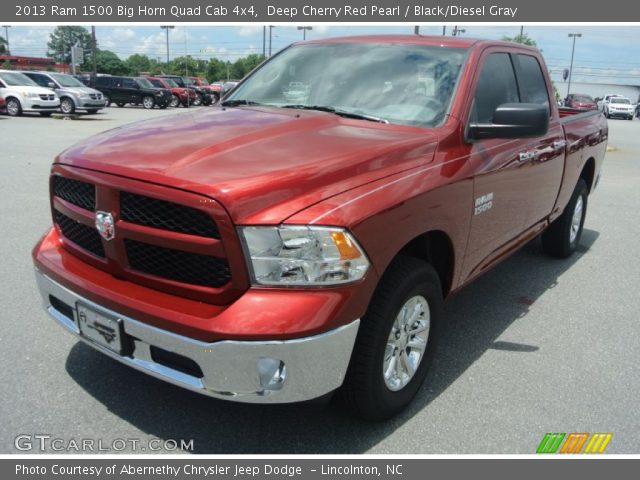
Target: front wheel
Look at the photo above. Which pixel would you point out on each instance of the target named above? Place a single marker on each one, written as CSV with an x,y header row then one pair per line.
x,y
396,341
14,109
175,101
148,103
563,236
198,100
67,106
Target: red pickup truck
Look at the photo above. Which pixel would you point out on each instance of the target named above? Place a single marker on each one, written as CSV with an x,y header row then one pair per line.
x,y
308,247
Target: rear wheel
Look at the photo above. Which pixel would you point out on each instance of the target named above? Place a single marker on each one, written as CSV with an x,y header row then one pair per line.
x,y
563,236
148,102
175,101
121,104
396,341
67,106
14,108
198,100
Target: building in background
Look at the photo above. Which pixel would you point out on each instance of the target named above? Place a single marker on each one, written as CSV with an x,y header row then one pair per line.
x,y
17,62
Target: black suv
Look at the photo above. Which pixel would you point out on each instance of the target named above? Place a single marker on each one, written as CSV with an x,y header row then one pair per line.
x,y
203,97
123,90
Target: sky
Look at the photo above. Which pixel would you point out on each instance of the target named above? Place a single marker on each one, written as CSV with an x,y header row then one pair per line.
x,y
604,54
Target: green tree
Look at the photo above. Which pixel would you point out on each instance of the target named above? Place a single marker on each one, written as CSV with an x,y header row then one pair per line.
x,y
524,39
6,65
63,38
183,65
216,70
3,45
243,66
107,62
138,63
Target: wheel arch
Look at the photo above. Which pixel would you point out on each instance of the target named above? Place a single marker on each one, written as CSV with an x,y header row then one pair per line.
x,y
436,248
588,173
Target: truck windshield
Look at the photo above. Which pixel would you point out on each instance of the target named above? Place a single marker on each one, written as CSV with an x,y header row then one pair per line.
x,y
66,80
394,83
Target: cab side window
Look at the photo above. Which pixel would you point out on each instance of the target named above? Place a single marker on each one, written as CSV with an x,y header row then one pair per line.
x,y
41,80
128,83
496,85
532,84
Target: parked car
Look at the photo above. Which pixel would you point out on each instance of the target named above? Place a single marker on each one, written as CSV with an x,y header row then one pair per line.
x,y
580,101
228,86
619,107
308,247
184,96
212,89
124,90
73,94
203,97
605,100
21,94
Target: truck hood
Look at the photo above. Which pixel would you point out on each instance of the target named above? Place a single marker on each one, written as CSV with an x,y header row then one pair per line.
x,y
262,164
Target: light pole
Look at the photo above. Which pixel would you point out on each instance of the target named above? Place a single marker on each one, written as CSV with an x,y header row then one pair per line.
x,y
166,28
573,50
6,35
271,27
264,41
304,31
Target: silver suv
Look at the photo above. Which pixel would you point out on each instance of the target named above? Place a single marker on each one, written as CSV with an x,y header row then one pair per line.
x,y
74,95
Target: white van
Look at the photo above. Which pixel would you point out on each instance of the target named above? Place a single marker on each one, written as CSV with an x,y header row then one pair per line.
x,y
24,95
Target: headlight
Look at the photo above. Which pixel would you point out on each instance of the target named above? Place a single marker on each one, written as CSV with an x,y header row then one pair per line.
x,y
32,95
303,256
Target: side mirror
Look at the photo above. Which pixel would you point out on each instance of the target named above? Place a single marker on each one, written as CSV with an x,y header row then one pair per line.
x,y
51,85
513,120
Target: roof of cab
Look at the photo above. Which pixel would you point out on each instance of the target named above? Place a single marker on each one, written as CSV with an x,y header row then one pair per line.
x,y
431,40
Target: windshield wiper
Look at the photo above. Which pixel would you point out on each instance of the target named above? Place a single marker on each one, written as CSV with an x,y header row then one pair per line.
x,y
239,102
337,111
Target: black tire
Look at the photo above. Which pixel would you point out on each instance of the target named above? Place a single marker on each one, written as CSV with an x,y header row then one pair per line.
x,y
121,104
107,100
67,105
175,101
365,390
198,100
45,114
13,108
556,240
163,107
148,102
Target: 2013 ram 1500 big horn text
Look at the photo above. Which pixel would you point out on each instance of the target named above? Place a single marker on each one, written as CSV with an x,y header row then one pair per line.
x,y
275,251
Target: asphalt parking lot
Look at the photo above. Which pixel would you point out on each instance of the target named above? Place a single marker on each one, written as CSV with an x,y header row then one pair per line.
x,y
537,345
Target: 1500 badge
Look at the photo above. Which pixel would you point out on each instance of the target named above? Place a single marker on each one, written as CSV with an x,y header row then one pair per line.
x,y
483,203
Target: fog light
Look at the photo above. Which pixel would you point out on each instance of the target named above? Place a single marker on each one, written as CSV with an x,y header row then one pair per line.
x,y
272,374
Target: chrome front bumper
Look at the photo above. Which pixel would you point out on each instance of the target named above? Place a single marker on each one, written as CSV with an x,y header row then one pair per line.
x,y
279,371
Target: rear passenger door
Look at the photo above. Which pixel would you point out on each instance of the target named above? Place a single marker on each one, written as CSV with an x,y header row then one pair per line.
x,y
544,164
